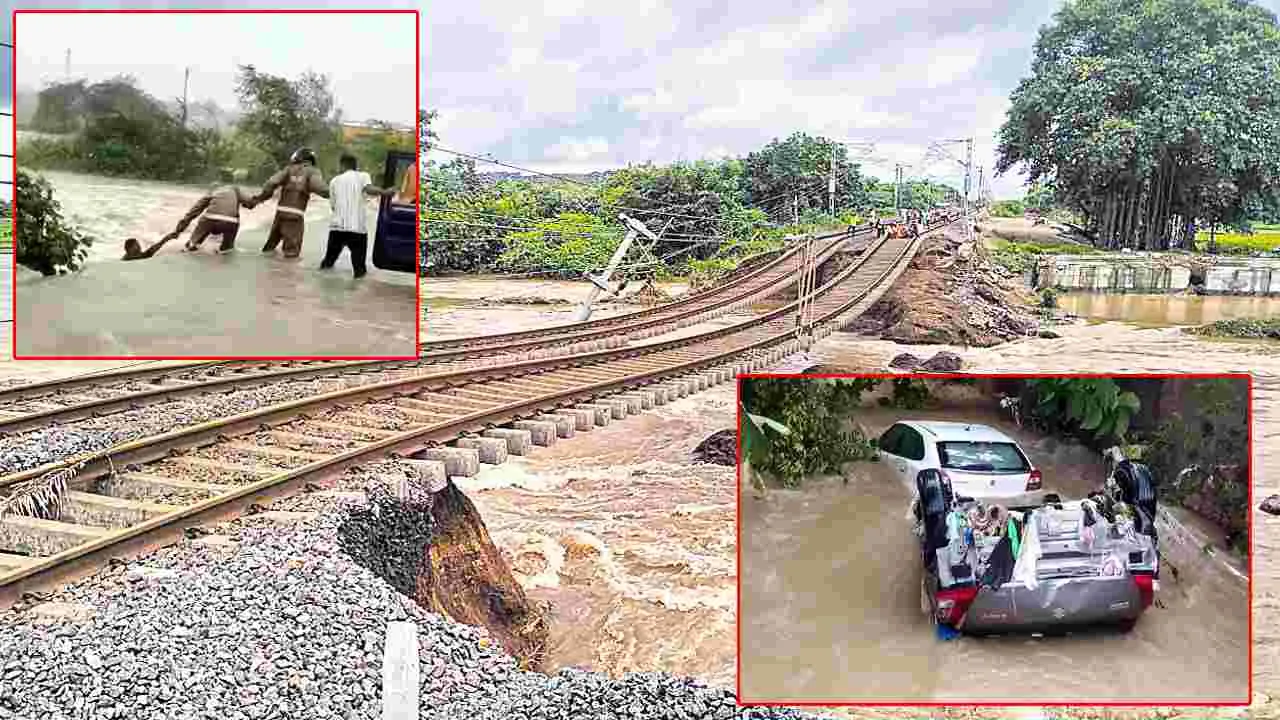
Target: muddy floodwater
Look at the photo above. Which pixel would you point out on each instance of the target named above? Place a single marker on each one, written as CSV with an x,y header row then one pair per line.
x,y
1164,310
831,605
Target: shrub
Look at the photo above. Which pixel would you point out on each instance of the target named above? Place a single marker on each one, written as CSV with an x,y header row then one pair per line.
x,y
47,243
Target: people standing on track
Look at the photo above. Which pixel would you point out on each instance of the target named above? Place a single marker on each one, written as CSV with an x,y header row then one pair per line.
x,y
296,181
349,226
219,213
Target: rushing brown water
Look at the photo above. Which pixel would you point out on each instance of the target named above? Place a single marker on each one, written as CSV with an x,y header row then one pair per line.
x,y
1165,310
831,603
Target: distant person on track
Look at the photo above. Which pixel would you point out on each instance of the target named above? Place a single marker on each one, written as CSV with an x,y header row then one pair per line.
x,y
349,225
219,213
296,181
133,249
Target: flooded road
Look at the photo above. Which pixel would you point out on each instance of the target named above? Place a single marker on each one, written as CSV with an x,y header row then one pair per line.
x,y
1165,310
831,603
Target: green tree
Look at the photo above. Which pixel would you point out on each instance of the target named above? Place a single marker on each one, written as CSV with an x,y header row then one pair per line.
x,y
280,115
1151,115
47,243
800,166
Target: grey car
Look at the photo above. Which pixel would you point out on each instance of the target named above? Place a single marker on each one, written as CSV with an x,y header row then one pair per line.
x,y
990,569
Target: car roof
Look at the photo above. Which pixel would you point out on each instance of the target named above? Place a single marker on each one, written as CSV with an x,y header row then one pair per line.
x,y
943,431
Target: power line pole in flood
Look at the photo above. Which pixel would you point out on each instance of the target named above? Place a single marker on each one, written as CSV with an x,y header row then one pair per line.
x,y
600,283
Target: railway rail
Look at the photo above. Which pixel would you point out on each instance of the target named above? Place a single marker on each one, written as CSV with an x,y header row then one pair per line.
x,y
82,397
145,492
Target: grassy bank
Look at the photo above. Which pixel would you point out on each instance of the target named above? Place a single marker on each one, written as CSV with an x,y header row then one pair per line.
x,y
1265,238
1268,329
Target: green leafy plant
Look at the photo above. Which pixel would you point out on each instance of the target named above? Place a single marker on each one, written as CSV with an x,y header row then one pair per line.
x,y
47,243
1095,405
908,394
1049,298
814,413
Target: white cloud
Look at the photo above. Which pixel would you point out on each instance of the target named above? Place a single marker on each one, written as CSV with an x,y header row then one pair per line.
x,y
575,150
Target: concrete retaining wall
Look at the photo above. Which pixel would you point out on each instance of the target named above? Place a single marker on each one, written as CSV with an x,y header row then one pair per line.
x,y
1158,274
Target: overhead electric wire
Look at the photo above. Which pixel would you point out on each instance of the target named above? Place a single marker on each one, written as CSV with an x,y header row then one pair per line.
x,y
616,206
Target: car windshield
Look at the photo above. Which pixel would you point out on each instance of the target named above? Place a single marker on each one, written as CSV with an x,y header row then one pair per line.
x,y
1001,457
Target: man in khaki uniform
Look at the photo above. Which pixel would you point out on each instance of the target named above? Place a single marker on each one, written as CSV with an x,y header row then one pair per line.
x,y
296,181
219,213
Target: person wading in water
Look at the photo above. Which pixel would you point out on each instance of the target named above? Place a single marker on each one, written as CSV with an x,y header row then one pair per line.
x,y
219,213
349,226
297,181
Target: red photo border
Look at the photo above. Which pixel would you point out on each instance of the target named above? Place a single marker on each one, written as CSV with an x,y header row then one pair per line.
x,y
942,376
417,143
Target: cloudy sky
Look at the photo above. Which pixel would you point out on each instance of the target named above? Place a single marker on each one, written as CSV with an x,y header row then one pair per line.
x,y
571,85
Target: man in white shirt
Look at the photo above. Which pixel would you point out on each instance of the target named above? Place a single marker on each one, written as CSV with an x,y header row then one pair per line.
x,y
348,227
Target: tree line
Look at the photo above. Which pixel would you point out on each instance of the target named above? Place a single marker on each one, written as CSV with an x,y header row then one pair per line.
x,y
115,128
709,214
1149,118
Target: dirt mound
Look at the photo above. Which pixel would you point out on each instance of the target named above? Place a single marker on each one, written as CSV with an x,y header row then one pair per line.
x,y
951,294
720,448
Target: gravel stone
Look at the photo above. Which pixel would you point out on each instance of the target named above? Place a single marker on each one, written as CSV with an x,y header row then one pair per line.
x,y
282,624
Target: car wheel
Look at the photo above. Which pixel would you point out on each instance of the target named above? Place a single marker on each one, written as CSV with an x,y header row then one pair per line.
x,y
1126,626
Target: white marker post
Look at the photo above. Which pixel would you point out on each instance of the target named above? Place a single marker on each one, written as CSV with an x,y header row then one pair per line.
x,y
400,672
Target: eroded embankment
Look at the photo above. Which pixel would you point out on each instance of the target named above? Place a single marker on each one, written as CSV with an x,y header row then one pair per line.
x,y
431,544
951,293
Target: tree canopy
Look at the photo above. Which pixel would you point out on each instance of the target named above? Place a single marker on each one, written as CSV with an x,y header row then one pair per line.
x,y
1150,115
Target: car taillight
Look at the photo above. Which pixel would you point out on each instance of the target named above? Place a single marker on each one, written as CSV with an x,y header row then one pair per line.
x,y
954,603
1146,583
1034,480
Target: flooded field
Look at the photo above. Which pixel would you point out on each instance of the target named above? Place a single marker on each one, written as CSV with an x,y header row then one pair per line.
x,y
831,611
1166,310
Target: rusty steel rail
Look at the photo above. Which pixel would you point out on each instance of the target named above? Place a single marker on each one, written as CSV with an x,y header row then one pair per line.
x,y
428,410
752,287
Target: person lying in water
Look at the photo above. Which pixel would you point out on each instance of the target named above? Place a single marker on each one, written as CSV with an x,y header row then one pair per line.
x,y
133,249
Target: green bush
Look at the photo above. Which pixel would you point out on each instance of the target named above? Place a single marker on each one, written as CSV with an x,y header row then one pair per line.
x,y
1260,329
47,243
1008,208
815,413
1093,405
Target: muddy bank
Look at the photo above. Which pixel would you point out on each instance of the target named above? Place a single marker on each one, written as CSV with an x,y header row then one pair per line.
x,y
951,293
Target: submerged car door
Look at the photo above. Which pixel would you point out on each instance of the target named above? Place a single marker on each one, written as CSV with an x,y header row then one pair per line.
x,y
911,453
904,450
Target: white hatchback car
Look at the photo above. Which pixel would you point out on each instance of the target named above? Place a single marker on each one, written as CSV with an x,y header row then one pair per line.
x,y
979,462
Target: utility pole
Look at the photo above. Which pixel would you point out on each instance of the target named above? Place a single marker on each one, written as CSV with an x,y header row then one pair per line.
x,y
186,82
831,184
897,190
66,68
968,172
600,283
981,186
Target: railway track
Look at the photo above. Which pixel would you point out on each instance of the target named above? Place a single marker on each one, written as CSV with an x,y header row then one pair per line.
x,y
25,407
144,493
